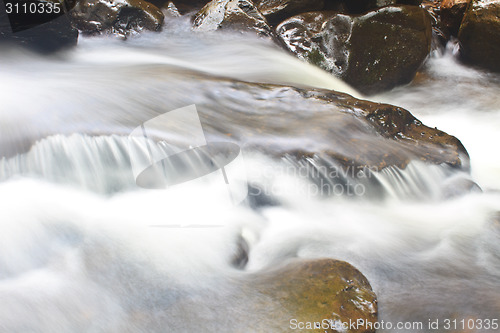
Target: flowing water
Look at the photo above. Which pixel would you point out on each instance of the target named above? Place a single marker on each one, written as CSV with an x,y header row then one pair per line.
x,y
83,249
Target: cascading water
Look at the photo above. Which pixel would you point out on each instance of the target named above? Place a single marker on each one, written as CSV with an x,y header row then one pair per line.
x,y
83,249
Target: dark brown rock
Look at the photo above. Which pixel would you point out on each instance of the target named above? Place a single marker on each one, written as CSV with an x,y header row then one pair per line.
x,y
276,120
440,33
372,52
355,133
324,291
452,13
184,6
277,10
239,15
116,16
362,6
479,35
355,6
397,124
410,2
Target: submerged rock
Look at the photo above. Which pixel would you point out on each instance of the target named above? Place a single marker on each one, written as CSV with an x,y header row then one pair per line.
x,y
479,34
458,186
321,295
46,33
235,14
116,16
372,52
276,120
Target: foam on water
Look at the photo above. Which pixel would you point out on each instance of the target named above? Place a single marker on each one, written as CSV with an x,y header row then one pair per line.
x,y
463,102
82,249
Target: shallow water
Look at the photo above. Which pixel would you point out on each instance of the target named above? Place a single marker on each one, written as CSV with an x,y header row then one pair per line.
x,y
85,250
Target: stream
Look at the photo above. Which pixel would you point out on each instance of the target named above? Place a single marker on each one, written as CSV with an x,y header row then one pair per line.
x,y
84,249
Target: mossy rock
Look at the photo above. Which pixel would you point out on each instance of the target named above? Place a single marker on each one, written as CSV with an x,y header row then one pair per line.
x,y
322,295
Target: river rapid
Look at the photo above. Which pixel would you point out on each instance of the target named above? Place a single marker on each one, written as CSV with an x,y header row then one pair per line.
x,y
83,249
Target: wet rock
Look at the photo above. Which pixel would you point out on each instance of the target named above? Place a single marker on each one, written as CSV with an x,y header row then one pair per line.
x,y
276,120
458,186
239,15
356,6
240,257
479,35
116,16
410,2
277,10
398,124
440,34
171,10
372,52
183,6
362,6
355,133
452,13
45,33
321,294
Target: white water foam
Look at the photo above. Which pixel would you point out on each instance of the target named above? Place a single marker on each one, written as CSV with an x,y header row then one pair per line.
x,y
82,251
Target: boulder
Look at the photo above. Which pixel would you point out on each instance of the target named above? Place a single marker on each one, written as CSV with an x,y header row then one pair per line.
x,y
372,52
276,11
184,6
452,13
322,295
276,120
479,35
232,14
410,2
116,16
440,33
321,123
46,32
170,10
362,6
